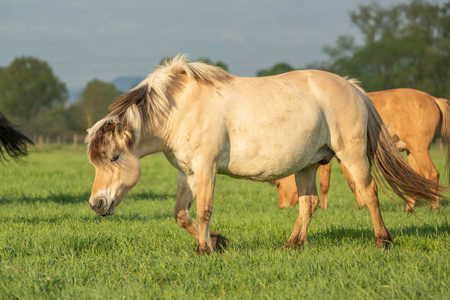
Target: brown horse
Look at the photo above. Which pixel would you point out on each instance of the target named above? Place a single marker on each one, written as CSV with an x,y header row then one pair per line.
x,y
412,117
208,122
12,142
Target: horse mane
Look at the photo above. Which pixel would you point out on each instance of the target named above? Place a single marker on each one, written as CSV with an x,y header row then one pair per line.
x,y
148,105
153,97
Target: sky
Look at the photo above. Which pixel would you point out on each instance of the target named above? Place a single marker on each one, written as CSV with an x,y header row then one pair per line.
x,y
84,40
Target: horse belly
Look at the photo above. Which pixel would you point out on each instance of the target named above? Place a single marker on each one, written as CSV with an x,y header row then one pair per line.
x,y
265,153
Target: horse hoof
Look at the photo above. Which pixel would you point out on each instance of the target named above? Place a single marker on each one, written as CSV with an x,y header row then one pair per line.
x,y
434,207
201,251
219,242
408,209
293,245
385,242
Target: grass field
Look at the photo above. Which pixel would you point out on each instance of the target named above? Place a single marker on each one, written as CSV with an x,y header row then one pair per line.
x,y
52,246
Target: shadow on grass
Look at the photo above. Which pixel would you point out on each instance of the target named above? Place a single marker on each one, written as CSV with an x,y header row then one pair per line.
x,y
91,218
338,235
341,234
62,198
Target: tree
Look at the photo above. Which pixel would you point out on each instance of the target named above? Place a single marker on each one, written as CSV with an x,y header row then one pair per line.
x,y
406,45
95,99
218,63
279,68
29,87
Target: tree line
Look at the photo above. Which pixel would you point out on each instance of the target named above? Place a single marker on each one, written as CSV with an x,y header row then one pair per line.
x,y
405,45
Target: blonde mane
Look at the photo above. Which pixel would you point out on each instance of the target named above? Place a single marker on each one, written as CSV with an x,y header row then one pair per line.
x,y
153,97
148,105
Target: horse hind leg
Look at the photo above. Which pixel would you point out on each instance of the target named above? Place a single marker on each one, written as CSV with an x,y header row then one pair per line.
x,y
421,163
365,185
308,201
351,183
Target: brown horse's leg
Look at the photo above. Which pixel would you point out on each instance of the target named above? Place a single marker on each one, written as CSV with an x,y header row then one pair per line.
x,y
324,177
421,163
287,192
308,201
368,190
351,183
411,201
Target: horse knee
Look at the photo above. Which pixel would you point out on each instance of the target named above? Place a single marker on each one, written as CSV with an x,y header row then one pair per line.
x,y
182,218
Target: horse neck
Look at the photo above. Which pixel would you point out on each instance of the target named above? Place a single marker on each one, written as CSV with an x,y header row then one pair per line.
x,y
149,143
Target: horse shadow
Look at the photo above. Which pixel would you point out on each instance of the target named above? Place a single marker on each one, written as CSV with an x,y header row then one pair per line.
x,y
59,198
71,198
339,235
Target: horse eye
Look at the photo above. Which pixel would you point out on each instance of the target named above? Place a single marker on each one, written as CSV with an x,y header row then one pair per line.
x,y
115,158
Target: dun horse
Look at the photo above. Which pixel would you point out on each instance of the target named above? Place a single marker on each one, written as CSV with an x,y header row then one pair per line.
x,y
412,117
208,122
12,142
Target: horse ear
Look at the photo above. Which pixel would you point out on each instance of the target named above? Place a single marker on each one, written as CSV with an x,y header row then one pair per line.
x,y
120,129
88,130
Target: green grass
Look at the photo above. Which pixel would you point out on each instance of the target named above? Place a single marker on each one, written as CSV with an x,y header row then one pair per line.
x,y
52,245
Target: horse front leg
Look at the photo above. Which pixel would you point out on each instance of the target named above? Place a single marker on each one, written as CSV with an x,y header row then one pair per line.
x,y
185,198
208,241
308,201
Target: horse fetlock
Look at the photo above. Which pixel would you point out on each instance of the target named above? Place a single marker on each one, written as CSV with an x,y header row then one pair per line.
x,y
409,208
385,241
435,205
204,250
295,243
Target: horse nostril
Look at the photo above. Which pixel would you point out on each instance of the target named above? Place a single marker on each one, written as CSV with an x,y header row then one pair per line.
x,y
101,202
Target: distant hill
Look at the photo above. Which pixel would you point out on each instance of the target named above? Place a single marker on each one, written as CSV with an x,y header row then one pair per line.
x,y
125,83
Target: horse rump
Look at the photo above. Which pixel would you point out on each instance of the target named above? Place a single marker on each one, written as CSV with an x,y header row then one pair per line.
x,y
12,142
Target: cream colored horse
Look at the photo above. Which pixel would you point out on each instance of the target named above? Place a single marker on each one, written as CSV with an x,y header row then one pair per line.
x,y
208,122
412,117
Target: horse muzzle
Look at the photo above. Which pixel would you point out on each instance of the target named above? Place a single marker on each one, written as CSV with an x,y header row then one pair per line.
x,y
102,207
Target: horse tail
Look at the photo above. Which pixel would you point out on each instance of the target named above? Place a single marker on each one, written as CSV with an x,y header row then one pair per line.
x,y
444,107
385,160
12,142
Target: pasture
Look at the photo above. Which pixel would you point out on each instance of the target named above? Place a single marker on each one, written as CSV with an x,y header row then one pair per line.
x,y
53,246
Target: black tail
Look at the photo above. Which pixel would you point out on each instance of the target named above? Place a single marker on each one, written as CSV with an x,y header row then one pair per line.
x,y
12,142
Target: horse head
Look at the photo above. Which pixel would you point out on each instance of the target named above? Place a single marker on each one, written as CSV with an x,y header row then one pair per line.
x,y
117,168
